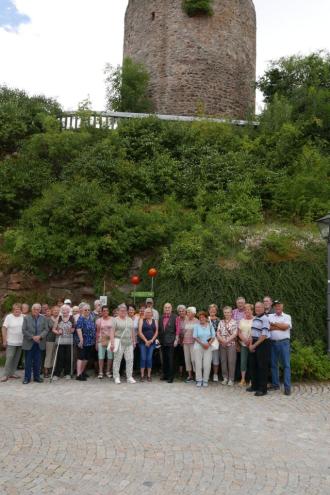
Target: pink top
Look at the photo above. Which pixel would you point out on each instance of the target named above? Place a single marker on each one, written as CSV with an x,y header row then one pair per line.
x,y
179,325
103,327
188,331
238,315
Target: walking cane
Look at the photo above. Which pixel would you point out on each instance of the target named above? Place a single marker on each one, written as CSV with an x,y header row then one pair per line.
x,y
72,356
55,359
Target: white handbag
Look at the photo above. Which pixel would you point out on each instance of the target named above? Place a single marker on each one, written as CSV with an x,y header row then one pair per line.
x,y
117,340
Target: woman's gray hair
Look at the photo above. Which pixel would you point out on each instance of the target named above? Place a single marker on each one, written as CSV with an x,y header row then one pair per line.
x,y
65,306
181,306
192,309
36,305
122,306
85,306
81,305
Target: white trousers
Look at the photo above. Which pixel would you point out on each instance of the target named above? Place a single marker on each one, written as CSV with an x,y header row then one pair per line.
x,y
129,356
203,360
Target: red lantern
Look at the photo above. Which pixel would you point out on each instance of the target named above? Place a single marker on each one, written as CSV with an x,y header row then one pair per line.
x,y
135,280
152,272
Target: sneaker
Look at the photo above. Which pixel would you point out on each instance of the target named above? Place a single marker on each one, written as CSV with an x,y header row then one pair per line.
x,y
81,378
189,380
224,381
109,374
100,376
68,377
55,378
287,391
117,381
205,384
215,378
199,384
230,383
273,387
131,380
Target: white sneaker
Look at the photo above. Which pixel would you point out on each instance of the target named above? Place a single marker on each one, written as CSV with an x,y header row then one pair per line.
x,y
205,384
117,381
199,384
131,380
224,381
68,377
215,378
55,378
230,383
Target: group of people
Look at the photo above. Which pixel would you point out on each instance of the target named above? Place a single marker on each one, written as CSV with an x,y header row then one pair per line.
x,y
63,339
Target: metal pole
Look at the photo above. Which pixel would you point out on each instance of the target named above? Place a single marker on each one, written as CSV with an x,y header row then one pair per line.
x,y
328,296
55,359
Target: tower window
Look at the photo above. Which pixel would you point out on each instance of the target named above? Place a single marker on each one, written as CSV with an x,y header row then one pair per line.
x,y
153,16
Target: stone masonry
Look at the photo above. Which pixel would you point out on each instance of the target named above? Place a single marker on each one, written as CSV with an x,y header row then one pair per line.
x,y
196,64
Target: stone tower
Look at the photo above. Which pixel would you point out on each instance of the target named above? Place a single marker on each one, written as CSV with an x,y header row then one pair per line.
x,y
195,63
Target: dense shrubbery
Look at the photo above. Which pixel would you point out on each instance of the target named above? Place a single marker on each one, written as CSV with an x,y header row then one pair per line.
x,y
193,196
197,7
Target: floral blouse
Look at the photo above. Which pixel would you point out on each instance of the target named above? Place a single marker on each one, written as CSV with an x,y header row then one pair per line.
x,y
227,329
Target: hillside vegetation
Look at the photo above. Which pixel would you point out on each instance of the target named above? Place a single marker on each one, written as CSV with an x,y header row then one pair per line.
x,y
220,210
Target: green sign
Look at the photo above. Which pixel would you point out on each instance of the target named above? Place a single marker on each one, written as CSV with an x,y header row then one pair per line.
x,y
142,294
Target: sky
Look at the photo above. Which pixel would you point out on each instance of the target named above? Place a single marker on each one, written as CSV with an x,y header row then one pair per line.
x,y
60,47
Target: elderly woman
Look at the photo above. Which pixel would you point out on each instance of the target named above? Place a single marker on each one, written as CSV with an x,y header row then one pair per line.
x,y
86,332
244,334
123,330
179,325
147,333
75,313
214,320
12,338
188,342
64,329
204,336
227,334
50,340
103,332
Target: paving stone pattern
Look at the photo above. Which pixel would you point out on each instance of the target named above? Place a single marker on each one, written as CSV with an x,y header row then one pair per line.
x,y
103,439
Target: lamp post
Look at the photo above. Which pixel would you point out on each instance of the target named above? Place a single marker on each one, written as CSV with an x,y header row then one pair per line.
x,y
324,227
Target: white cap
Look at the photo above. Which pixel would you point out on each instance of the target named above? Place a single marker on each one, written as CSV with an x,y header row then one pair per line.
x,y
67,301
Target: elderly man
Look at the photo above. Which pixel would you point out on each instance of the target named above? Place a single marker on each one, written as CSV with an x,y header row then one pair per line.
x,y
167,335
259,351
280,326
150,304
239,311
268,304
35,330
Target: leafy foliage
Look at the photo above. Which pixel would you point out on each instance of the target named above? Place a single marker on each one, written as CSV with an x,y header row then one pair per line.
x,y
127,87
310,362
197,7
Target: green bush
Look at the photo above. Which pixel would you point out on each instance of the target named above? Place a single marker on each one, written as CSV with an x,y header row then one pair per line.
x,y
197,7
309,362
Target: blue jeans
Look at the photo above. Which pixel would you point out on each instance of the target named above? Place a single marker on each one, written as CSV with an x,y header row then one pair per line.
x,y
32,361
280,352
146,355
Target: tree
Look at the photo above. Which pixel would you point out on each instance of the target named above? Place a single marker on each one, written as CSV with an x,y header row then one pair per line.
x,y
22,116
290,75
197,7
127,87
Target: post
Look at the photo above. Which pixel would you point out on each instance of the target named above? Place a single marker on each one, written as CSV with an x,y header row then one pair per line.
x,y
328,296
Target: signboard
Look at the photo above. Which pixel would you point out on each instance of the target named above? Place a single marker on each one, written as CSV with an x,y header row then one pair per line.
x,y
142,294
104,300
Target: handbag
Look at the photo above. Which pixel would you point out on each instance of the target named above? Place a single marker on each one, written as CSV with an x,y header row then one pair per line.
x,y
215,344
117,340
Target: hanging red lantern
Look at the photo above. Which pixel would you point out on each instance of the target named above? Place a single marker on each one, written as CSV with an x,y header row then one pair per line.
x,y
135,280
152,272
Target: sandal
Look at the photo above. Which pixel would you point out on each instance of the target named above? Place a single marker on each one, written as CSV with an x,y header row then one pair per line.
x,y
100,376
149,379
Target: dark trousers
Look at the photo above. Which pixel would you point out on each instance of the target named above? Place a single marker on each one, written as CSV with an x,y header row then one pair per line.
x,y
168,362
259,363
63,362
32,361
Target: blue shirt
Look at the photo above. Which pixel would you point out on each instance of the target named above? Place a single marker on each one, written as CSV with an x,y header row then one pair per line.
x,y
260,326
87,327
36,326
203,333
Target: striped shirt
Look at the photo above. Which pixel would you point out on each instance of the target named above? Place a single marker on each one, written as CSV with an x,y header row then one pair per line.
x,y
260,326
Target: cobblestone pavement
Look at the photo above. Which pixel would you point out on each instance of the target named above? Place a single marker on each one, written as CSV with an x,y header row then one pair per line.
x,y
103,439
